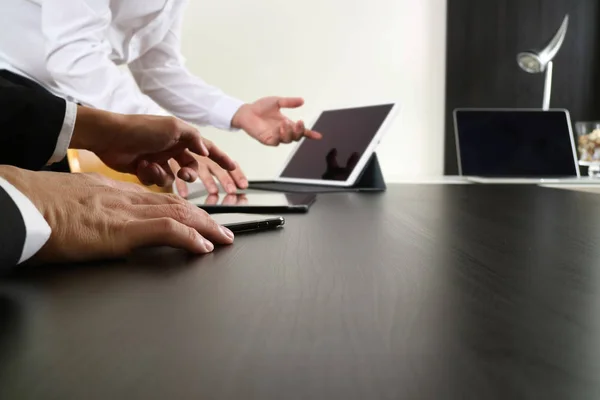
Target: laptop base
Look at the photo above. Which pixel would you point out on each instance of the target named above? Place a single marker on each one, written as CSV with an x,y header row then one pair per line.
x,y
370,180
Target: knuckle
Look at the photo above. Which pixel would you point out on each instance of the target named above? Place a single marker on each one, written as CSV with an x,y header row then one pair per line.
x,y
174,198
192,235
172,124
181,213
168,225
209,223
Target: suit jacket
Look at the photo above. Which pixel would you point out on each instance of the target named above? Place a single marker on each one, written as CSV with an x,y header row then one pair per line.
x,y
31,120
12,232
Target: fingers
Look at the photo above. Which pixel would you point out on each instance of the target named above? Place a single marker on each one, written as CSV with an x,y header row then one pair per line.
x,y
290,102
224,178
293,131
206,177
155,173
145,174
189,166
239,177
286,131
182,188
190,137
188,215
219,156
313,134
167,175
165,232
298,130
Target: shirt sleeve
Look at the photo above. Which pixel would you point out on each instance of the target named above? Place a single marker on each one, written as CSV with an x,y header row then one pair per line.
x,y
37,230
77,57
66,133
161,74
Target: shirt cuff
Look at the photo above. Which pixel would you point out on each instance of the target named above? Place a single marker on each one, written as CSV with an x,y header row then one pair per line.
x,y
222,113
66,132
37,230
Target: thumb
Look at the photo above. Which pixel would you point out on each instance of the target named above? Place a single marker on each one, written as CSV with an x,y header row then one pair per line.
x,y
290,102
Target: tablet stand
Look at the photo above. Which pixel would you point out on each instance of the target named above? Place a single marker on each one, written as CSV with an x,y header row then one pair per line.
x,y
370,180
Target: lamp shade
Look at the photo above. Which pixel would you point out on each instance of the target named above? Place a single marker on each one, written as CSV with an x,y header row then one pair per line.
x,y
535,61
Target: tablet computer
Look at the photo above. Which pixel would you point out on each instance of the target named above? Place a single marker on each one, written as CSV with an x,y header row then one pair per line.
x,y
350,137
263,203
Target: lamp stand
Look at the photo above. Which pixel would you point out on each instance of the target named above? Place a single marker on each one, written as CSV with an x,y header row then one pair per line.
x,y
547,87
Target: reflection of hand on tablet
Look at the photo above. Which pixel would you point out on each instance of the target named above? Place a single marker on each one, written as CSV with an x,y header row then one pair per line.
x,y
335,171
228,200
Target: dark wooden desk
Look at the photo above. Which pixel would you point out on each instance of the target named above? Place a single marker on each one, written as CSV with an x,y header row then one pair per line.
x,y
424,292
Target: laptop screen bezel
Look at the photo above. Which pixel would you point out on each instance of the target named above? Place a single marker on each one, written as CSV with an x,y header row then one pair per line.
x,y
559,110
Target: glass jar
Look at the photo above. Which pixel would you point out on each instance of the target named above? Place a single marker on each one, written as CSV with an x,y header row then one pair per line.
x,y
588,146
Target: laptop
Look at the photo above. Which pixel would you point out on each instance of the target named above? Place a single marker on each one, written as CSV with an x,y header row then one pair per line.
x,y
337,161
516,146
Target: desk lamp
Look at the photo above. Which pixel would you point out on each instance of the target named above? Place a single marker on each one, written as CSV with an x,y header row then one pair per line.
x,y
538,61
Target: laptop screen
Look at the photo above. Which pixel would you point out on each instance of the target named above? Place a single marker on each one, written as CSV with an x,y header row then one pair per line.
x,y
513,143
347,133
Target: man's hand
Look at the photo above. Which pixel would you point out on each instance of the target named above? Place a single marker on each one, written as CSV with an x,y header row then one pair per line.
x,y
93,217
208,171
143,145
264,121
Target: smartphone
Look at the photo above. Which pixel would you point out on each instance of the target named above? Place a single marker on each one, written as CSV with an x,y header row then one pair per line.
x,y
259,203
248,222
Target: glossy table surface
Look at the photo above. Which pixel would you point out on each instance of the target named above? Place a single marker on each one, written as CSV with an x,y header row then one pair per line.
x,y
422,292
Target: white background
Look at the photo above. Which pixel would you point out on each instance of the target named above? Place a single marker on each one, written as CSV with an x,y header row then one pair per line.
x,y
332,53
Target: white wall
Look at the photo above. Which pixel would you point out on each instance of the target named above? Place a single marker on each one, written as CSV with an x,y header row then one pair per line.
x,y
331,52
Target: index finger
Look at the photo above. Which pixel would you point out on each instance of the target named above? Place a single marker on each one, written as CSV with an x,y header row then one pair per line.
x,y
313,134
190,137
219,156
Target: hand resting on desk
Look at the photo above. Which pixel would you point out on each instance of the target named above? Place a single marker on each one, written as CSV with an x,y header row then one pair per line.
x,y
94,217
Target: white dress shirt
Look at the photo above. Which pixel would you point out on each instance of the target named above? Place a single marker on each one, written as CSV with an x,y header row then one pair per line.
x,y
74,48
37,230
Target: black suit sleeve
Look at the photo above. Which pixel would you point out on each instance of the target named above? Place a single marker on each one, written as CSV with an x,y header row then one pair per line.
x,y
30,124
12,232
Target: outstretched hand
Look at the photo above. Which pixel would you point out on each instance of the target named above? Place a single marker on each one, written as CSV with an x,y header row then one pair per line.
x,y
264,121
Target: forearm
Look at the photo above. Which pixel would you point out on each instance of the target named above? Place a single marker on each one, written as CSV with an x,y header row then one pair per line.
x,y
186,96
161,74
96,129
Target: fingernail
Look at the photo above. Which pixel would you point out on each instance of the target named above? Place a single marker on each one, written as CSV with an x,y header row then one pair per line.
x,y
244,182
208,246
227,232
231,188
155,169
